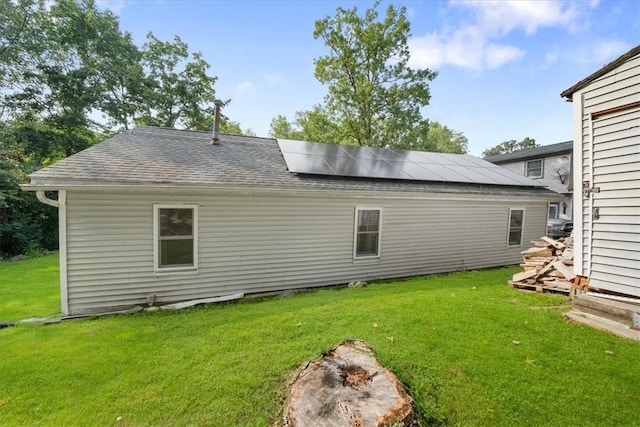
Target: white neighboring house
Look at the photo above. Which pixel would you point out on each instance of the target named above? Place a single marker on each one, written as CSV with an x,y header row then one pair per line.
x,y
606,129
548,164
164,215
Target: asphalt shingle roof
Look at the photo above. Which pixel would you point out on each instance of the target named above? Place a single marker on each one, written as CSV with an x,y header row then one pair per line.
x,y
149,155
531,153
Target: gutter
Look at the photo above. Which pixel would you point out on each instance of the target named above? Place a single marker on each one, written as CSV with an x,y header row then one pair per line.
x,y
432,194
42,198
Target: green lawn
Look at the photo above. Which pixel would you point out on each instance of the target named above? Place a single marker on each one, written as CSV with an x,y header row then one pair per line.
x,y
29,288
472,351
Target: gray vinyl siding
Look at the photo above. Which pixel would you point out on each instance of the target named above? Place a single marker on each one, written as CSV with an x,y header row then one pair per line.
x,y
257,243
551,165
611,244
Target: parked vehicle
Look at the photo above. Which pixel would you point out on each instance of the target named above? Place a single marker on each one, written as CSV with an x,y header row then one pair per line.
x,y
557,228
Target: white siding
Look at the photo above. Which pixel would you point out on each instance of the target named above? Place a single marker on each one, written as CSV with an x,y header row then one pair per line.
x,y
264,243
615,236
552,166
610,160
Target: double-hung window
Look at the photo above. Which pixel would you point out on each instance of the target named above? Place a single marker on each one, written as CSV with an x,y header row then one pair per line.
x,y
368,225
175,229
516,224
534,168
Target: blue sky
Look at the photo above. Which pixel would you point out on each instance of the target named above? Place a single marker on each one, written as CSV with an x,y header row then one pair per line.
x,y
501,64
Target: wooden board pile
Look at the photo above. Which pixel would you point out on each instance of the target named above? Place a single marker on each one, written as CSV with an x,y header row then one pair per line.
x,y
548,266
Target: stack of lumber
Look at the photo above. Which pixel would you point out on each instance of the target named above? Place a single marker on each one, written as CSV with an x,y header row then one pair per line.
x,y
548,266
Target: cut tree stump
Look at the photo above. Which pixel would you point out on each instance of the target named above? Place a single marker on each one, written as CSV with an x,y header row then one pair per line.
x,y
348,387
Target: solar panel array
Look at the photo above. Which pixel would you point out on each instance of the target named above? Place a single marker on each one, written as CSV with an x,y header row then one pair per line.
x,y
372,162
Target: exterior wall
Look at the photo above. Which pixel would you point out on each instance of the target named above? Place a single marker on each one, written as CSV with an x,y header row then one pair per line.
x,y
255,243
607,156
552,165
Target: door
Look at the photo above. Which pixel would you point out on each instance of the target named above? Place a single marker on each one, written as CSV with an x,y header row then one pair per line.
x,y
614,202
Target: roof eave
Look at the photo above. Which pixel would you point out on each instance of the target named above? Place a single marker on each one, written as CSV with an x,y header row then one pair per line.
x,y
533,192
528,157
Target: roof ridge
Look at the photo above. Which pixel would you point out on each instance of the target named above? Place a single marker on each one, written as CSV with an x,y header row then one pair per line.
x,y
157,130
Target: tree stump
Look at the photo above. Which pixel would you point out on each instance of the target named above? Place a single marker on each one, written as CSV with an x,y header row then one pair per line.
x,y
348,387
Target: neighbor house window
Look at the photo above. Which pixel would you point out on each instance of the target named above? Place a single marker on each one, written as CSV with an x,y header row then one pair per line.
x,y
534,168
516,222
176,237
554,209
367,233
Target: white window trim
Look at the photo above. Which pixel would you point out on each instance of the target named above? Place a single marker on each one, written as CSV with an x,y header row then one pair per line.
x,y
156,239
521,229
526,168
556,205
355,233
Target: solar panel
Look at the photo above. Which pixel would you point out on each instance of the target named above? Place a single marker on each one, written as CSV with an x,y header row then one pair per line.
x,y
372,162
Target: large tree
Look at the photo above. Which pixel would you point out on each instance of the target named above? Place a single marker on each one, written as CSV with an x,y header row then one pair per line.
x,y
312,125
447,140
178,91
52,77
372,92
316,126
510,146
25,224
70,64
68,77
15,19
433,136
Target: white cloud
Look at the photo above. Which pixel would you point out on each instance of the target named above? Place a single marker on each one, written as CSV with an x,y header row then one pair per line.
x,y
477,42
605,50
467,47
496,56
273,79
243,88
599,52
552,56
499,18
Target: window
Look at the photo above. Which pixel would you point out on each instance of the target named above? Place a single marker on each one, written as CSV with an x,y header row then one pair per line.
x,y
175,242
516,222
553,210
367,233
533,168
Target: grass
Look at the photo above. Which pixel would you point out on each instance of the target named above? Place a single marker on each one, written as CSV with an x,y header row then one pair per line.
x,y
29,288
472,352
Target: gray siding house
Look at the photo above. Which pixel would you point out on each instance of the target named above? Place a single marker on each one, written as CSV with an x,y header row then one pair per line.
x,y
548,164
164,214
606,128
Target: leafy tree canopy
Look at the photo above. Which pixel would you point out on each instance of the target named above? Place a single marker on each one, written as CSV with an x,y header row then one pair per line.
x,y
65,61
428,136
433,136
372,93
313,125
69,76
374,98
510,146
176,91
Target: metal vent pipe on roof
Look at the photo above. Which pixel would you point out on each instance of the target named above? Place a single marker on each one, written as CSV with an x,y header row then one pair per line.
x,y
215,140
